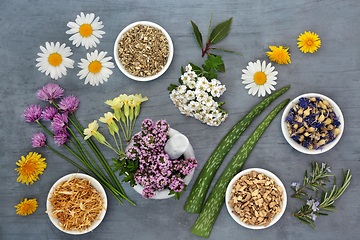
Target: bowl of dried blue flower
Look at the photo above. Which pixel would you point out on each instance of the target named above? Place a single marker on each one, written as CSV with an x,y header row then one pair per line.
x,y
312,123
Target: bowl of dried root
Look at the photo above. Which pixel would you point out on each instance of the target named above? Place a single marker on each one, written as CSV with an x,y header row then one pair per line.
x,y
76,203
312,123
143,51
256,198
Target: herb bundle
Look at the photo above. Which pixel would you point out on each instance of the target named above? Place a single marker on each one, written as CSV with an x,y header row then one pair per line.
x,y
313,208
63,123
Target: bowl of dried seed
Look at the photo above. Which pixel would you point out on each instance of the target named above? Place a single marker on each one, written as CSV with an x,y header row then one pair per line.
x,y
256,198
143,51
312,123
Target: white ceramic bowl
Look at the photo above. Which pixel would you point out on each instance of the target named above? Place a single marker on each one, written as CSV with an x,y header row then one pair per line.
x,y
95,184
164,194
120,65
297,146
228,197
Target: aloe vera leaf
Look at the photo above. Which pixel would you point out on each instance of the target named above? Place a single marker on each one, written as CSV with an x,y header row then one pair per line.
x,y
205,222
198,192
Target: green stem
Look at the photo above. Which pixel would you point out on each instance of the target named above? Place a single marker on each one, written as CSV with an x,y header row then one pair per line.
x,y
98,154
92,160
45,129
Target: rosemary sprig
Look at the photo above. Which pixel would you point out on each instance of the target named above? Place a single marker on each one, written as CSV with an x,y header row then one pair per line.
x,y
313,208
313,181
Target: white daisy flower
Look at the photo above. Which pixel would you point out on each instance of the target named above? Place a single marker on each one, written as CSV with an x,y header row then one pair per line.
x,y
54,60
259,78
85,30
95,68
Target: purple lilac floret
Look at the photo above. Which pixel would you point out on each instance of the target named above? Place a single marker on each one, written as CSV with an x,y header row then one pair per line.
x,y
156,170
61,137
69,104
50,92
49,113
38,140
32,113
59,123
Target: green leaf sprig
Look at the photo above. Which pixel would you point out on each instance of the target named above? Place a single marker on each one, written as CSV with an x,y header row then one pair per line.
x,y
313,208
217,34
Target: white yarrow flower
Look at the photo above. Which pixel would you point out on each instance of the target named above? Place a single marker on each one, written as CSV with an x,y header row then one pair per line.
x,y
95,68
54,60
195,98
85,30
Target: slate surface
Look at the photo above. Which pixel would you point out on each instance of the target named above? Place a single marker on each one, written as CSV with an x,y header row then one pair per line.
x,y
333,71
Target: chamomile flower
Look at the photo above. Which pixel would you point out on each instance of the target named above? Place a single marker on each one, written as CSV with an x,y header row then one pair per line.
x,y
54,59
259,78
95,68
86,30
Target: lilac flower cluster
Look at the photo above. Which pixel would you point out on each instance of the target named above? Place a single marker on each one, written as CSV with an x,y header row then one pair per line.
x,y
59,120
156,170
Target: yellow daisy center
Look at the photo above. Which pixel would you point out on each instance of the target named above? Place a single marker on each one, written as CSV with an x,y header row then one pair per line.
x,y
55,59
95,67
85,30
260,78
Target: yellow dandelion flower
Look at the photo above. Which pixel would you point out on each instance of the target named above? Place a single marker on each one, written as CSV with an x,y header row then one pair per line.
x,y
26,207
309,42
279,54
30,167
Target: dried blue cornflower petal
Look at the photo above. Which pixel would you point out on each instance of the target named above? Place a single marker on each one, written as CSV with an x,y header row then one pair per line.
x,y
304,102
312,123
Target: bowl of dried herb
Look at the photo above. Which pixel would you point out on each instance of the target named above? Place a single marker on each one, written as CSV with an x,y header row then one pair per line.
x,y
312,123
143,51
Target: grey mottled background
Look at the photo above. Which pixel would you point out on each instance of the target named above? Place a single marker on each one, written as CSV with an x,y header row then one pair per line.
x,y
333,71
